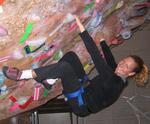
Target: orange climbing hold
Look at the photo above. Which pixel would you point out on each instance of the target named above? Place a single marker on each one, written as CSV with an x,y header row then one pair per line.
x,y
1,2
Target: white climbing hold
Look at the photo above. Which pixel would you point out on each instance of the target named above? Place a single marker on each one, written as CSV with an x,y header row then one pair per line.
x,y
1,9
126,34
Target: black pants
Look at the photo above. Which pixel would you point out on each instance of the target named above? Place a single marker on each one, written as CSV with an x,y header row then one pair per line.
x,y
69,69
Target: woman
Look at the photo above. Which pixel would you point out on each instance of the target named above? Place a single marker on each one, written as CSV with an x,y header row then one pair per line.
x,y
87,96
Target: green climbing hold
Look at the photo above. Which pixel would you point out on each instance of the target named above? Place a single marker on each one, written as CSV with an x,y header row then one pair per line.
x,y
45,93
58,55
89,6
26,34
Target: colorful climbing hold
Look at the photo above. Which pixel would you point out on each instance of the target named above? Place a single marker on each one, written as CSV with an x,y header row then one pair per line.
x,y
3,31
45,93
89,6
2,78
26,34
1,2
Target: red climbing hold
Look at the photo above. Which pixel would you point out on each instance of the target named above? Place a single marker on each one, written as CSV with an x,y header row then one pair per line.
x,y
1,2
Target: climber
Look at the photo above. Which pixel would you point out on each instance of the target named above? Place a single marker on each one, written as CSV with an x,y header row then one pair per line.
x,y
85,95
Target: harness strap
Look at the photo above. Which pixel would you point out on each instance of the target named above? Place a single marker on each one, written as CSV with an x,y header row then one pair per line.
x,y
76,94
85,78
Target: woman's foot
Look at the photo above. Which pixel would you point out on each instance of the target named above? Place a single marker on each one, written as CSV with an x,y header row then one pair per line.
x,y
16,74
46,84
12,73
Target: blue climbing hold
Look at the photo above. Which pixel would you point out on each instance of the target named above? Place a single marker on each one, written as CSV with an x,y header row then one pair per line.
x,y
2,78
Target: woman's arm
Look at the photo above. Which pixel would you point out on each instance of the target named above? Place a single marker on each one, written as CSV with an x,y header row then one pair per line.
x,y
108,54
92,49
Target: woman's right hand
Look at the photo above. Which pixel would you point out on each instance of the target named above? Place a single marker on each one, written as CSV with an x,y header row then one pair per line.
x,y
80,25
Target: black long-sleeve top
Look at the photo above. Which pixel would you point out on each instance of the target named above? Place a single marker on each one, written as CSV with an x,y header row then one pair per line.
x,y
106,87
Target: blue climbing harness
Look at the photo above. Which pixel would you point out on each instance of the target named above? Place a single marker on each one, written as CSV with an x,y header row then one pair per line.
x,y
79,92
76,94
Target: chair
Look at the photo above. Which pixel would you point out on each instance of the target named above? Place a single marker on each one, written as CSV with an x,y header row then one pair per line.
x,y
53,106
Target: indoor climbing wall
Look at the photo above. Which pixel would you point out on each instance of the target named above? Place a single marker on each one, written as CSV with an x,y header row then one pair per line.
x,y
34,33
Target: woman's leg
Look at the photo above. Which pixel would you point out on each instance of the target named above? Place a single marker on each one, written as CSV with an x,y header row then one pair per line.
x,y
70,83
70,58
75,62
62,70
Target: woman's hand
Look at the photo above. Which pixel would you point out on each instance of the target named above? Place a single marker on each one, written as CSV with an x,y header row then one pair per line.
x,y
80,25
102,39
99,37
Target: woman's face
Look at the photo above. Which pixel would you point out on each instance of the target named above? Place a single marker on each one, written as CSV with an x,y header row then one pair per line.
x,y
125,67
